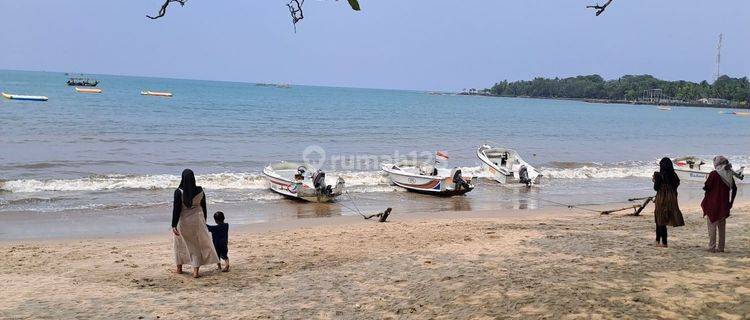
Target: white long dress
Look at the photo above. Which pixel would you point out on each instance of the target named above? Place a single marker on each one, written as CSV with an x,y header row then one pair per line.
x,y
193,246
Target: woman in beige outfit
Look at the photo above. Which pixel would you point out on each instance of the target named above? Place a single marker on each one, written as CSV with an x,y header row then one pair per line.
x,y
192,242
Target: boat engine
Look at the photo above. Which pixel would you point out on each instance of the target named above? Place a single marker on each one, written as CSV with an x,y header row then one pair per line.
x,y
319,182
459,181
523,176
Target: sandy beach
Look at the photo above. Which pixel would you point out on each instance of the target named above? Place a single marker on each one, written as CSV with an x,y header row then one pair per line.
x,y
549,264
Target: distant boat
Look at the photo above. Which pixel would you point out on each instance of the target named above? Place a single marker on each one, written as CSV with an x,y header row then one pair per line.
x,y
156,94
88,90
23,97
277,85
82,82
664,108
727,112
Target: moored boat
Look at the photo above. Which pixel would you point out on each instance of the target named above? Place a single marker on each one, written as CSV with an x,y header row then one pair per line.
x,y
156,93
88,90
300,181
82,82
23,97
506,166
696,169
428,179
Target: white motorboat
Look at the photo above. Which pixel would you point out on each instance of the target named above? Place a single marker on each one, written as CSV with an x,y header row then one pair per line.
x,y
429,179
300,181
156,94
697,169
506,166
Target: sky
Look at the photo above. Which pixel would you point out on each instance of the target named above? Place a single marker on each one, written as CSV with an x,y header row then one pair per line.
x,y
398,44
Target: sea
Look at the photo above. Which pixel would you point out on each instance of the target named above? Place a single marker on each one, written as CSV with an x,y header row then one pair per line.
x,y
119,154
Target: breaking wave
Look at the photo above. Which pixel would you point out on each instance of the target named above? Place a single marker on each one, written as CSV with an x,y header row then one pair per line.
x,y
215,181
570,170
356,181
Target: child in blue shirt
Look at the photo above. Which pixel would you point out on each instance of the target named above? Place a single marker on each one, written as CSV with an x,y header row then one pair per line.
x,y
220,236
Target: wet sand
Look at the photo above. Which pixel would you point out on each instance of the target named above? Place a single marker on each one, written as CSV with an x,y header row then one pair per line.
x,y
552,263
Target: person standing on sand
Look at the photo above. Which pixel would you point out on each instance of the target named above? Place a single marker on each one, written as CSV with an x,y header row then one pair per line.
x,y
717,202
667,211
192,243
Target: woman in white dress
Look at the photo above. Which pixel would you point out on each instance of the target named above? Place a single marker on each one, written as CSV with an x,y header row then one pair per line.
x,y
192,242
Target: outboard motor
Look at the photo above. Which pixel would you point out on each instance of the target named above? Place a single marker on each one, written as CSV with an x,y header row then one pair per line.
x,y
459,180
319,182
523,176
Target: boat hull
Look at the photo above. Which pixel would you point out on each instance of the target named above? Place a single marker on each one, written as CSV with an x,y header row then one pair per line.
x,y
88,90
692,175
300,191
156,94
502,174
23,97
697,169
432,185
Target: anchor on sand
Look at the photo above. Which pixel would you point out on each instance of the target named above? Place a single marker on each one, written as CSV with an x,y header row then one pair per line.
x,y
636,208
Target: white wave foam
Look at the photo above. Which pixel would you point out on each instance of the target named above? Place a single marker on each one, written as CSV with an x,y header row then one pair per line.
x,y
148,182
216,181
359,181
633,170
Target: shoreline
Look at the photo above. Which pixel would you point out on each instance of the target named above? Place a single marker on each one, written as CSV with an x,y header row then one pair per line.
x,y
623,102
551,264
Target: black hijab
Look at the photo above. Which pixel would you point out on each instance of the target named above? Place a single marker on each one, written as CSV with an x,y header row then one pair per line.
x,y
666,169
189,190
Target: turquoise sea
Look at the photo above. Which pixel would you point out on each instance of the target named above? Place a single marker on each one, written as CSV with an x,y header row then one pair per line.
x,y
119,152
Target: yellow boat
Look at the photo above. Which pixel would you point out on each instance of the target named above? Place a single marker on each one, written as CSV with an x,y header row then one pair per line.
x,y
88,90
156,93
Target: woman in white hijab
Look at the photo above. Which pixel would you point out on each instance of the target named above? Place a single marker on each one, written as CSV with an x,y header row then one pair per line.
x,y
717,202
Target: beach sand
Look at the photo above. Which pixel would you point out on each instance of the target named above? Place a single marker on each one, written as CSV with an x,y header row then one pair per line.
x,y
483,265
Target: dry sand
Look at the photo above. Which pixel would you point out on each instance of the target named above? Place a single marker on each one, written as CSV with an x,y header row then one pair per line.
x,y
566,265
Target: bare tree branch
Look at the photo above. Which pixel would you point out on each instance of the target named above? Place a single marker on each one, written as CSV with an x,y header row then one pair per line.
x,y
599,9
295,9
163,9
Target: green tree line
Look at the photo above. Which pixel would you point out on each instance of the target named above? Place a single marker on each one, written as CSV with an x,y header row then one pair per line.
x,y
629,87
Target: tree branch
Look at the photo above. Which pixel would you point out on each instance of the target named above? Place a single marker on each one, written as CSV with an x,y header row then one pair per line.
x,y
163,9
599,9
295,9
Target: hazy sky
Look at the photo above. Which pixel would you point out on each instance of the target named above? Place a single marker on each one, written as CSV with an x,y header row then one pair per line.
x,y
409,44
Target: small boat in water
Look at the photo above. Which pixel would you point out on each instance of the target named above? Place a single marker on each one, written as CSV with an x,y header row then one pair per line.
x,y
697,169
664,108
88,90
82,82
506,166
428,179
300,181
156,93
23,97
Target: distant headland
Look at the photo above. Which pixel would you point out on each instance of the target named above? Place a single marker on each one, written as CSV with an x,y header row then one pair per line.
x,y
725,92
